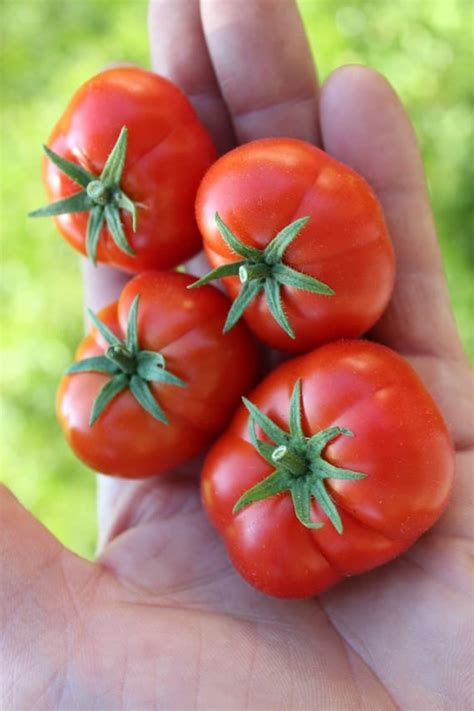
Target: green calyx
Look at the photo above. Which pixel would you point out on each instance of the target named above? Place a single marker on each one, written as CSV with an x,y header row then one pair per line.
x,y
299,466
263,269
129,368
101,196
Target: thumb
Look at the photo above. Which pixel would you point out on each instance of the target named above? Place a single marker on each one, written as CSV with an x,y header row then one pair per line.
x,y
38,585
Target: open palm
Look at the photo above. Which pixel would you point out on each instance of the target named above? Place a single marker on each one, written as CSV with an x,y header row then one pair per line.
x,y
161,620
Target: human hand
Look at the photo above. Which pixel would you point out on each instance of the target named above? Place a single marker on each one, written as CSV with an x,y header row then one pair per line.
x,y
161,620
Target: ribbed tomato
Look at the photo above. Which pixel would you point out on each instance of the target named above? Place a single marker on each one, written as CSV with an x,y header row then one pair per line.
x,y
155,379
343,463
300,241
128,147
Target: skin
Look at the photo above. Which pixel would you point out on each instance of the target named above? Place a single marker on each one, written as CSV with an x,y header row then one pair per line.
x,y
164,136
161,620
262,187
186,328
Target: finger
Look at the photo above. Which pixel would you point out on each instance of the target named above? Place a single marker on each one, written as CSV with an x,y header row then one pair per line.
x,y
41,586
364,125
264,67
179,52
125,503
153,533
26,547
102,284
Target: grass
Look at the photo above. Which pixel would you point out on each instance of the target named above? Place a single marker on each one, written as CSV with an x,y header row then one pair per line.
x,y
50,47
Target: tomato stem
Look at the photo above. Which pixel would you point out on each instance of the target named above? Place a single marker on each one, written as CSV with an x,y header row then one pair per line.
x,y
285,457
97,191
254,271
122,357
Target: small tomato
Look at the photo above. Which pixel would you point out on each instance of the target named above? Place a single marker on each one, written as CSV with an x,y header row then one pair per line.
x,y
125,161
300,241
339,461
155,379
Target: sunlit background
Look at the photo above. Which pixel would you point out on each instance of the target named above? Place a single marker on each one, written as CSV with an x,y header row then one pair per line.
x,y
50,47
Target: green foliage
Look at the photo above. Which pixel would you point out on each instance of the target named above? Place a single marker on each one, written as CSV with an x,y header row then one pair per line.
x,y
52,46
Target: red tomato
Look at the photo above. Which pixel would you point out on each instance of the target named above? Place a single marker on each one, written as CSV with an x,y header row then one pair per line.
x,y
193,376
168,151
339,508
262,187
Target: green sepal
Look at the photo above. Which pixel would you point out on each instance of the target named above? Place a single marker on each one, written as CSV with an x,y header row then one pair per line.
x,y
98,364
104,331
287,276
319,440
272,292
114,223
299,467
77,202
274,251
150,360
296,429
113,168
231,269
151,366
300,495
142,394
271,429
132,326
263,448
327,504
246,295
240,248
107,393
125,203
94,226
276,483
76,172
326,470
160,375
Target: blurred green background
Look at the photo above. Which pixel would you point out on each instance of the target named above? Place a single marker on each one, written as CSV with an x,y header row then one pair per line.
x,y
424,47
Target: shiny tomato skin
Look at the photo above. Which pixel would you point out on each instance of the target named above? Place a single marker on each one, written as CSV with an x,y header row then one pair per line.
x,y
186,327
261,187
401,443
168,152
